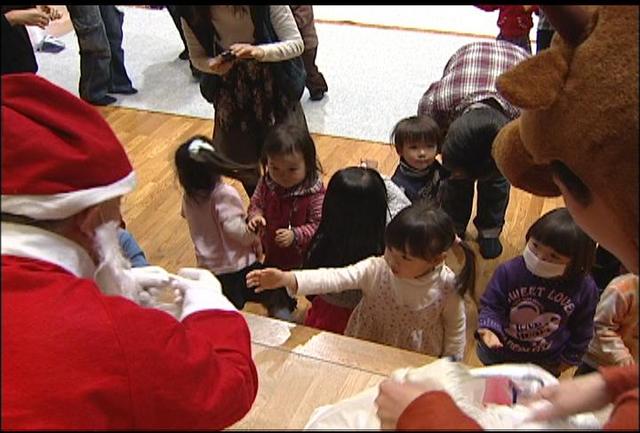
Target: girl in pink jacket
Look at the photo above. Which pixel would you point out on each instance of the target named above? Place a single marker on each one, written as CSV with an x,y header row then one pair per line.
x,y
216,217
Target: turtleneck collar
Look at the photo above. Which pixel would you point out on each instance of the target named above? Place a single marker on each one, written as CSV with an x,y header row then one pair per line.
x,y
418,293
409,171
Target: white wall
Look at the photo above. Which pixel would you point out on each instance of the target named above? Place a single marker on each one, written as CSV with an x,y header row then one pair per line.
x,y
457,18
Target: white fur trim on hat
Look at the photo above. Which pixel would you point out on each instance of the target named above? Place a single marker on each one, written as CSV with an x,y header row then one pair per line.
x,y
63,205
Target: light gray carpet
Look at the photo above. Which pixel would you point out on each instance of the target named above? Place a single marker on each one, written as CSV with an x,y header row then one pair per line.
x,y
375,76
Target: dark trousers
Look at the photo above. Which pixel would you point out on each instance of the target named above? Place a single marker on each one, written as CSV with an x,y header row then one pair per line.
x,y
543,39
522,41
605,268
234,287
584,368
490,357
175,15
493,198
99,32
315,81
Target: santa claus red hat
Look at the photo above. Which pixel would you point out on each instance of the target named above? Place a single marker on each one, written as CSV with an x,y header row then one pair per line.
x,y
59,156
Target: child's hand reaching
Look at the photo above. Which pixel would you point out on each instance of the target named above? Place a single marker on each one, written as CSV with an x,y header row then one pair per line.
x,y
490,339
257,223
271,278
284,237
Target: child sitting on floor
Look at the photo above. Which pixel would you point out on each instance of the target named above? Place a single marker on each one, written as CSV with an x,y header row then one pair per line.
x,y
539,307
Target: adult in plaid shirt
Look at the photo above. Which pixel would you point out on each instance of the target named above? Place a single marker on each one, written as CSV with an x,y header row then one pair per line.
x,y
466,104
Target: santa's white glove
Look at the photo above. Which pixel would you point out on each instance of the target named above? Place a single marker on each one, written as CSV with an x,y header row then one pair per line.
x,y
152,282
149,276
201,291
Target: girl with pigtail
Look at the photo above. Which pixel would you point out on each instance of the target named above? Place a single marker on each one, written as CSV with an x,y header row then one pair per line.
x,y
216,217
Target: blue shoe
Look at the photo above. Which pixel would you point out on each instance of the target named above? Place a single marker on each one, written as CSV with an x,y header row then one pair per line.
x,y
490,248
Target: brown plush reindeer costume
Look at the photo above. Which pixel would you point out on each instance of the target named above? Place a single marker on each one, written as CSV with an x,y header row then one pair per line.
x,y
579,125
579,102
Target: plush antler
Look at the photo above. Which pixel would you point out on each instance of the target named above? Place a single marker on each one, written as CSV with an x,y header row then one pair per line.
x,y
569,21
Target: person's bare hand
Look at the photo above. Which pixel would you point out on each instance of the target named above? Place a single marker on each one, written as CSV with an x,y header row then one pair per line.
x,y
257,223
569,397
219,66
284,237
270,278
394,397
52,13
490,339
27,17
247,51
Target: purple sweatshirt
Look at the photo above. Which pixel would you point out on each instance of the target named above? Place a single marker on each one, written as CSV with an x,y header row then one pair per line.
x,y
538,319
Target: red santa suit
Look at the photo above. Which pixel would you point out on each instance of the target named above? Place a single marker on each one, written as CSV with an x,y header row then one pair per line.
x,y
72,357
75,358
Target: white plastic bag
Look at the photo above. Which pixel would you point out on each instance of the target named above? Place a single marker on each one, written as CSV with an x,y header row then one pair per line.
x,y
466,387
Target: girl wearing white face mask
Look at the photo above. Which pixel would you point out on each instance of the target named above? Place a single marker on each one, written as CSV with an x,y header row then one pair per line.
x,y
410,298
539,307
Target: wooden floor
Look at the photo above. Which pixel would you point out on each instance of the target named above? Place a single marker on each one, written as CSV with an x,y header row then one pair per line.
x,y
152,211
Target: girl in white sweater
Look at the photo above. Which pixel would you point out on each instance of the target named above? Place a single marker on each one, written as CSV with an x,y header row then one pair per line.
x,y
410,298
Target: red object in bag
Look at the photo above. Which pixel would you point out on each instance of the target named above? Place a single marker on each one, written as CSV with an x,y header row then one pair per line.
x,y
498,390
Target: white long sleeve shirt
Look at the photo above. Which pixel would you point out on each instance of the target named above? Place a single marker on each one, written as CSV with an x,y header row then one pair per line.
x,y
423,315
238,28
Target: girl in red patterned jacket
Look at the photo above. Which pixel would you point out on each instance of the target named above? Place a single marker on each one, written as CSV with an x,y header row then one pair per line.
x,y
515,23
286,207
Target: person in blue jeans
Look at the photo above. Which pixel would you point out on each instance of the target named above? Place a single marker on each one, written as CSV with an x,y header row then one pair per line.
x,y
102,69
131,249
